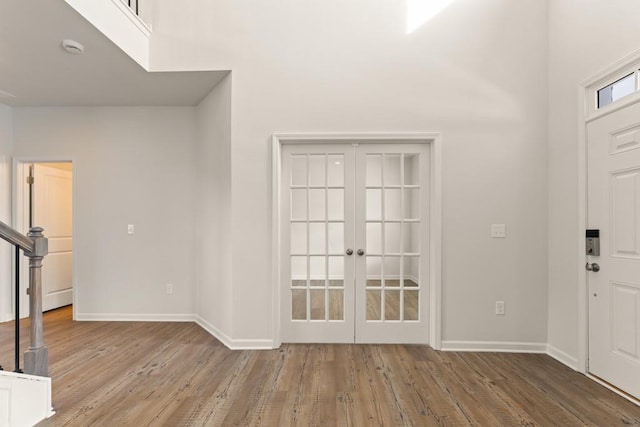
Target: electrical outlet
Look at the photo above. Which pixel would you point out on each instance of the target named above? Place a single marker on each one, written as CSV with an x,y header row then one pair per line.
x,y
130,229
500,308
169,288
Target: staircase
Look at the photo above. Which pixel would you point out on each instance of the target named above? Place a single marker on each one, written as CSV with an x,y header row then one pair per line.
x,y
25,398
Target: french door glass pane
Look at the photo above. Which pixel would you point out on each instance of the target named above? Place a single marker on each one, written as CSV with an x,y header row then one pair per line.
x,y
374,204
374,270
374,238
392,170
299,304
336,304
374,170
410,271
335,204
317,304
411,169
317,170
411,237
392,204
392,305
411,304
392,237
336,271
299,204
299,271
317,204
317,238
335,170
299,238
374,305
317,268
299,170
336,238
411,203
392,270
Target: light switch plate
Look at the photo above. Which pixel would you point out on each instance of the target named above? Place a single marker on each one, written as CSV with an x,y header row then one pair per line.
x,y
130,229
498,231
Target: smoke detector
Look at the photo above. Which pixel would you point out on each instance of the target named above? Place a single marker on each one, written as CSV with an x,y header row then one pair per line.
x,y
72,46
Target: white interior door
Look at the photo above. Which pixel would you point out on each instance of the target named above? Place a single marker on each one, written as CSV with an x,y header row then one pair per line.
x,y
52,210
317,293
392,234
613,145
354,244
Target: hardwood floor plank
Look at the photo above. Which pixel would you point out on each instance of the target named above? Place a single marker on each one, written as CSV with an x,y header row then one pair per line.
x,y
176,374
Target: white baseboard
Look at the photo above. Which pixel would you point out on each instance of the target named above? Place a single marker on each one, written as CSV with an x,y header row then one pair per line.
x,y
125,317
217,333
234,344
495,346
562,357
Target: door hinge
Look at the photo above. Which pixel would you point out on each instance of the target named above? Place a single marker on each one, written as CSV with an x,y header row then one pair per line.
x,y
30,180
28,291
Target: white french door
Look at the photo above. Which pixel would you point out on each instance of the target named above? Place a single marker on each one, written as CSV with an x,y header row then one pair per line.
x,y
355,243
613,146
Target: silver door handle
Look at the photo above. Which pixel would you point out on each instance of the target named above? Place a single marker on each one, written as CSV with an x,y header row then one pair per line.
x,y
592,267
349,251
360,252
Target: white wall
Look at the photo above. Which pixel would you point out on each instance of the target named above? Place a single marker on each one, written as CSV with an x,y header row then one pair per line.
x,y
584,38
6,250
213,209
477,72
133,166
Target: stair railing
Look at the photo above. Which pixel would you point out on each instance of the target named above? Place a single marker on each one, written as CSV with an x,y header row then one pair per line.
x,y
134,6
35,247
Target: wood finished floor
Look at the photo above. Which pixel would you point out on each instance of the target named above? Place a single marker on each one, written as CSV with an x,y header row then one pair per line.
x,y
176,374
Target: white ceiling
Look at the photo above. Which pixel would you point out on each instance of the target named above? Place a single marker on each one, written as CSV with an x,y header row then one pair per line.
x,y
38,72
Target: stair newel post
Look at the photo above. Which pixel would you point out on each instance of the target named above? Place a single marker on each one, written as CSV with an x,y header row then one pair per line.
x,y
36,358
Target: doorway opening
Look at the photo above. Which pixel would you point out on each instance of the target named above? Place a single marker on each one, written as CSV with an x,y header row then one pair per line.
x,y
357,238
43,197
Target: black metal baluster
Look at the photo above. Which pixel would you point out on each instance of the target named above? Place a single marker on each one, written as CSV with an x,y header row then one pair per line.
x,y
17,312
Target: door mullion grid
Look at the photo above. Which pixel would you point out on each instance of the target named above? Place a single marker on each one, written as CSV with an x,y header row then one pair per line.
x,y
308,257
402,216
326,237
354,235
383,228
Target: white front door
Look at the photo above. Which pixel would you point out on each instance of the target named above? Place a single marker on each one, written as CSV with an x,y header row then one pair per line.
x,y
52,210
354,244
613,145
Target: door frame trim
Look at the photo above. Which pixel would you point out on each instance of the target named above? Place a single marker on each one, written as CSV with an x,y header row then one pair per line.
x,y
17,208
587,114
435,203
